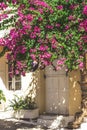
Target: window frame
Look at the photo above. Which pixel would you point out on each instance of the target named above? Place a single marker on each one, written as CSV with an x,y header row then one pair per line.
x,y
13,81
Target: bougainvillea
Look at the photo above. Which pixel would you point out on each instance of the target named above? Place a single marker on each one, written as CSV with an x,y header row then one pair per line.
x,y
42,31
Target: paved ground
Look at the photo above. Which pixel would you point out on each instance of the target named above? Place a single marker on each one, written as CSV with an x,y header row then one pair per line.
x,y
13,124
8,123
17,125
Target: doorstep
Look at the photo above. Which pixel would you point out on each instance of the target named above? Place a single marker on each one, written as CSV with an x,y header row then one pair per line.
x,y
54,121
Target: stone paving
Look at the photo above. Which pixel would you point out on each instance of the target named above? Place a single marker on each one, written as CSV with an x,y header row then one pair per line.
x,y
9,123
13,124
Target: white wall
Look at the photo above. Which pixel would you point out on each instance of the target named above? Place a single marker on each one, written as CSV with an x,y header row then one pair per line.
x,y
26,81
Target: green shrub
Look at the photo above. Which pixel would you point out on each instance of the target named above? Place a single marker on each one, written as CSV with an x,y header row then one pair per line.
x,y
23,103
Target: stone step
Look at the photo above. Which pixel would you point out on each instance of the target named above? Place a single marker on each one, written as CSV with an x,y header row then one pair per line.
x,y
48,117
52,117
54,122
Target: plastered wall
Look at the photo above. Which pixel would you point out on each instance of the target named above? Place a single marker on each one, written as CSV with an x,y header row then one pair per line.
x,y
41,92
74,92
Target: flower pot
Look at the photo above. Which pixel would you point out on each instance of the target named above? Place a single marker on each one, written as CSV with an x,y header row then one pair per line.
x,y
27,114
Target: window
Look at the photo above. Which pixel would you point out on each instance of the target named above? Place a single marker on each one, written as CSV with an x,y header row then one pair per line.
x,y
14,83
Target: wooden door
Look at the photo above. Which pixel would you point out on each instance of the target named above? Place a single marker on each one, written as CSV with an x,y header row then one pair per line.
x,y
56,91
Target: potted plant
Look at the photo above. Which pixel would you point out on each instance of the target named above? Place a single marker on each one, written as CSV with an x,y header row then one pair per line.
x,y
2,100
25,107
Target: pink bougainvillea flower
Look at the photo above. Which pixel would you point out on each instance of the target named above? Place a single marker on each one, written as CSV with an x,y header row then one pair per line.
x,y
60,63
45,55
73,6
60,7
36,29
43,48
83,25
33,35
29,17
45,62
22,49
23,73
31,8
17,72
41,3
84,38
58,25
3,5
2,42
40,10
49,26
43,31
33,56
81,65
79,43
33,50
40,19
85,10
66,27
3,16
14,1
54,43
71,17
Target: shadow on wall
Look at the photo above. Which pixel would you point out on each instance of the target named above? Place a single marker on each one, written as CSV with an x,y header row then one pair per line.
x,y
75,92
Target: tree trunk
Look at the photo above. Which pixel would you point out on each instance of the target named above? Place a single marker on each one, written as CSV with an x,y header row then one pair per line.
x,y
79,116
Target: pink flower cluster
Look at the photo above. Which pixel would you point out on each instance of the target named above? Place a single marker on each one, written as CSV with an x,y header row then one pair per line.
x,y
43,33
3,16
45,58
71,17
3,6
85,10
43,48
2,42
80,62
20,68
54,43
38,3
14,1
83,25
60,7
49,26
84,39
60,63
16,41
73,6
